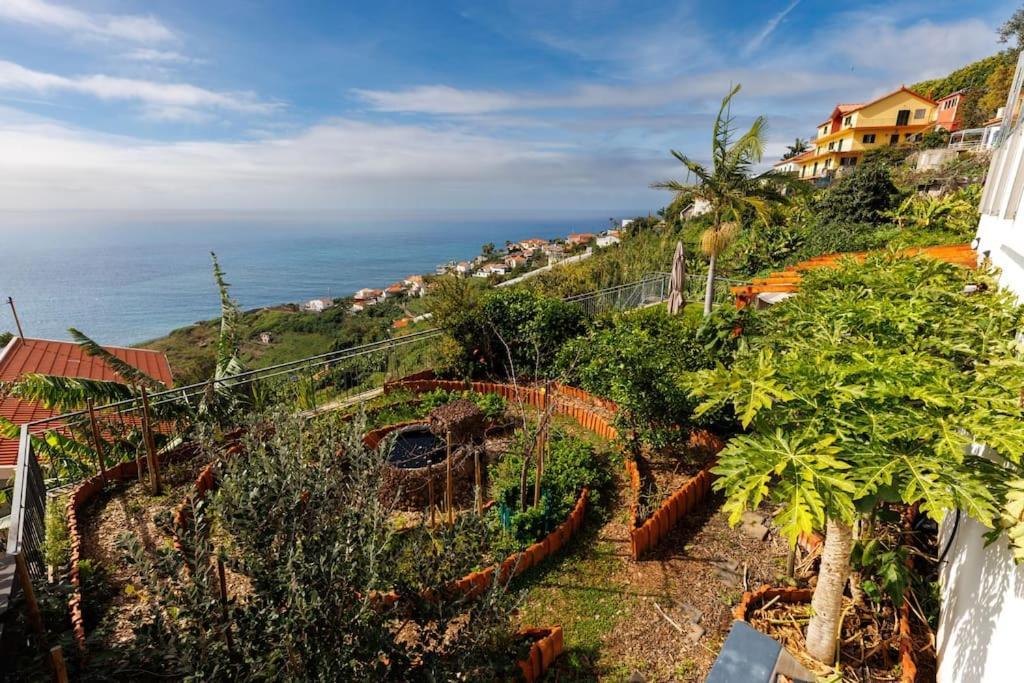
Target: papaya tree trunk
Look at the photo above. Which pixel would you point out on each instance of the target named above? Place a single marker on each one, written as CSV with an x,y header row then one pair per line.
x,y
827,603
709,290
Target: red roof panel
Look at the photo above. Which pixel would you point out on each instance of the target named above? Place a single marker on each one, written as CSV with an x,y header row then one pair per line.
x,y
24,356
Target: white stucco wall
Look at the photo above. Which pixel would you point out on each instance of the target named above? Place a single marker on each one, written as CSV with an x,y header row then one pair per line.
x,y
981,631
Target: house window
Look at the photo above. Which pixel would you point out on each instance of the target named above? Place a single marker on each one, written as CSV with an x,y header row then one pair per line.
x,y
894,138
869,139
831,146
919,113
840,146
815,172
902,117
848,121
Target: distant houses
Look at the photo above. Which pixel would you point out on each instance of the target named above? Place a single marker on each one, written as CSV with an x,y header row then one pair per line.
x,y
579,239
318,305
608,239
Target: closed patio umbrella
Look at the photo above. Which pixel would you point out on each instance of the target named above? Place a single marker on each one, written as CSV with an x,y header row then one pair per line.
x,y
677,281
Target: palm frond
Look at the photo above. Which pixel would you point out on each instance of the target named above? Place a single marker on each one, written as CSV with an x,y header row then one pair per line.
x,y
129,373
67,393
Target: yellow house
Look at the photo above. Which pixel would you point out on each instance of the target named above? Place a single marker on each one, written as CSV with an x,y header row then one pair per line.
x,y
852,129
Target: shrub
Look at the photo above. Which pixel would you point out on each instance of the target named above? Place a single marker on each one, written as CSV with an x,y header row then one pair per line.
x,y
861,196
504,332
492,405
635,359
57,541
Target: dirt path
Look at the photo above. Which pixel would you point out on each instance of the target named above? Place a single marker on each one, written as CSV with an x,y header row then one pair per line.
x,y
616,612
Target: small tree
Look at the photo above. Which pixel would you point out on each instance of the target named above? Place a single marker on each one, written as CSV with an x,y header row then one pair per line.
x,y
864,389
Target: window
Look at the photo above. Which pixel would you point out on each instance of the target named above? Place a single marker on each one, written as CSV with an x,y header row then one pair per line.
x,y
919,113
848,121
831,146
868,139
902,117
840,146
908,136
848,161
815,172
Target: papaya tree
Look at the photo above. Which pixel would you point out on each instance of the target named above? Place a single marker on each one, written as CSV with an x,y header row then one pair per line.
x,y
866,389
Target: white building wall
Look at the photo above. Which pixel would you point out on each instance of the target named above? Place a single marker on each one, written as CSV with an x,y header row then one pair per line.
x,y
981,630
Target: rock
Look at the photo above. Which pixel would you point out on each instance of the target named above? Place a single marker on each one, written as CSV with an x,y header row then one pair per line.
x,y
757,532
690,613
636,677
694,633
749,517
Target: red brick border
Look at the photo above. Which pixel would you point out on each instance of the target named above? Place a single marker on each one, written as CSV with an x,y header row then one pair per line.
x,y
645,534
548,644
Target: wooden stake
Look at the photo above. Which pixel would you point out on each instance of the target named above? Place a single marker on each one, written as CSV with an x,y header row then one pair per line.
x,y
224,605
430,494
538,452
97,441
147,435
60,669
35,617
448,480
479,483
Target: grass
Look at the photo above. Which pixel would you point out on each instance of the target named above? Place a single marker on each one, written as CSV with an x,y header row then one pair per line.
x,y
577,590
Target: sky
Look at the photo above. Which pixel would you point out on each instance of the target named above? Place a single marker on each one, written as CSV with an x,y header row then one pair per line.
x,y
421,108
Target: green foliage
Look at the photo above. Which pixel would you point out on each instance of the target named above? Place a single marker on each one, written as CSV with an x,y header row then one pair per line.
x,y
570,465
955,213
866,388
984,82
57,539
506,332
934,139
860,196
492,405
312,538
636,359
886,565
5,338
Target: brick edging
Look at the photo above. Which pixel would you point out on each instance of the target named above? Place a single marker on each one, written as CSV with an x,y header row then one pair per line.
x,y
645,534
548,644
85,491
751,600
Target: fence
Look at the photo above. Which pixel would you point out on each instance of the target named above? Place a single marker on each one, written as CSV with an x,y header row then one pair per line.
x,y
68,448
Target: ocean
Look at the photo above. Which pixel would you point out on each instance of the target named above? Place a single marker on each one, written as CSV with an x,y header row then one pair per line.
x,y
126,279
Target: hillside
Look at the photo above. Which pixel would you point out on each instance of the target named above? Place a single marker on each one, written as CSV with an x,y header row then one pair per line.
x,y
293,334
987,82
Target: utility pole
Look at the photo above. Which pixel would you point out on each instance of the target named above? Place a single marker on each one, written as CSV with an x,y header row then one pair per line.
x,y
10,302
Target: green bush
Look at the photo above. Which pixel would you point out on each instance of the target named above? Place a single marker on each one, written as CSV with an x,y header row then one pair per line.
x,y
861,196
504,332
492,405
57,541
636,359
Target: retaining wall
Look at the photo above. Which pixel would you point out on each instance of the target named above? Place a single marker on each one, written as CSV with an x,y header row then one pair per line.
x,y
548,644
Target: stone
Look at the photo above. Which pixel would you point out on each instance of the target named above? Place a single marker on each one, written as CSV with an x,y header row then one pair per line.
x,y
694,632
757,532
691,613
636,677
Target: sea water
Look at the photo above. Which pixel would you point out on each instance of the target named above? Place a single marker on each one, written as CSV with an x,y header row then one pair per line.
x,y
124,279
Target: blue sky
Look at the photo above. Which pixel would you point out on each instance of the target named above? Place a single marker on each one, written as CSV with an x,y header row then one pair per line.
x,y
425,107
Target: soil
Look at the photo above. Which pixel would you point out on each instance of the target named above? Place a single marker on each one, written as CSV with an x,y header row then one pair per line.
x,y
664,617
662,473
127,507
870,650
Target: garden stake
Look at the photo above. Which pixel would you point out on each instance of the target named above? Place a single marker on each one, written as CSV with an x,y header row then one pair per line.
x,y
147,434
224,605
60,669
35,617
99,442
430,493
448,480
479,484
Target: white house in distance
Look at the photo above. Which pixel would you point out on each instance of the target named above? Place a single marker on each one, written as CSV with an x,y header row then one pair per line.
x,y
608,239
463,268
318,305
488,269
981,621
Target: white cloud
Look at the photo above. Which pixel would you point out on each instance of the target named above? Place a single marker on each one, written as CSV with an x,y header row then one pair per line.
x,y
910,53
167,57
42,14
338,164
16,78
764,83
768,29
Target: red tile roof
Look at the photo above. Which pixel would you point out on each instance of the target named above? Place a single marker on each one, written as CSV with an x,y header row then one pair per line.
x,y
62,359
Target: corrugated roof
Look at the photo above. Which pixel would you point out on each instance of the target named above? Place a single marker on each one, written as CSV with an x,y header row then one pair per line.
x,y
23,356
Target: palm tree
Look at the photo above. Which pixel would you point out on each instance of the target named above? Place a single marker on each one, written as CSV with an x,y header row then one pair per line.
x,y
798,147
729,189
